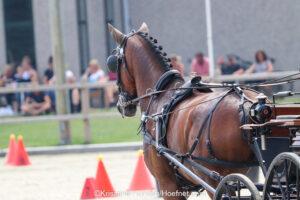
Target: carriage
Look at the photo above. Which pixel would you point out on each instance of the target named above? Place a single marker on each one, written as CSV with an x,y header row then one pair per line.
x,y
182,120
277,156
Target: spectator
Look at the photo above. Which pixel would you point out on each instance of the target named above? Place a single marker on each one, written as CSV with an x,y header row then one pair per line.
x,y
7,78
48,74
48,79
74,94
94,73
262,63
25,72
177,64
200,65
231,66
36,103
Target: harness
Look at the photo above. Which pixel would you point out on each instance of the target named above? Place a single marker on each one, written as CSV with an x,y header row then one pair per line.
x,y
162,118
115,62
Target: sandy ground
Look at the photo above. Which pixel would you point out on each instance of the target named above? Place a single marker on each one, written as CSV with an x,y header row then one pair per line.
x,y
61,177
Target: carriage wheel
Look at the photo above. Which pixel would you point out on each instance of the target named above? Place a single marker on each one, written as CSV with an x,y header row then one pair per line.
x,y
236,186
283,177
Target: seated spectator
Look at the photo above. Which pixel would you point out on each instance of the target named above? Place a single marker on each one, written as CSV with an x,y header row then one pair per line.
x,y
8,75
36,103
262,63
177,64
25,72
94,73
231,66
200,65
74,94
7,78
48,79
48,74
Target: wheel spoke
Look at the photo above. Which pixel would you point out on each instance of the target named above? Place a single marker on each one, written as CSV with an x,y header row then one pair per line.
x,y
227,191
287,191
297,182
233,186
239,189
279,182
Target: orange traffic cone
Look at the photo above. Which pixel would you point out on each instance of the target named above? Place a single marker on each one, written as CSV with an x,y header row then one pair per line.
x,y
88,191
103,185
21,156
141,179
10,156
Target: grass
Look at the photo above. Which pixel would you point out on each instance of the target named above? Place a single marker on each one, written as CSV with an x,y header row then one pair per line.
x,y
288,100
104,130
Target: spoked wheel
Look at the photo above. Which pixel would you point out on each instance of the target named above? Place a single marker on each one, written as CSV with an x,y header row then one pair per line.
x,y
238,187
283,178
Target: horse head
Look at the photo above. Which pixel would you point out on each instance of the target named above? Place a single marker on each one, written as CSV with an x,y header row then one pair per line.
x,y
119,62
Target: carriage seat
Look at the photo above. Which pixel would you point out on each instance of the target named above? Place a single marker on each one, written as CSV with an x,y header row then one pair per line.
x,y
287,117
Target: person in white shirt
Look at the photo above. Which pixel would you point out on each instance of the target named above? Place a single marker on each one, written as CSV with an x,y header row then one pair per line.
x,y
94,73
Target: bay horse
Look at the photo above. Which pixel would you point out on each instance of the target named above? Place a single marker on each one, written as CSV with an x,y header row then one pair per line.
x,y
140,64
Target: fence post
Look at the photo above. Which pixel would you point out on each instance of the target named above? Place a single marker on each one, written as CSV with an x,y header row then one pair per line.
x,y
85,107
59,69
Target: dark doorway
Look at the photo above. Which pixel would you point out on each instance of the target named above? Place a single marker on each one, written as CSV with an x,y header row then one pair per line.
x,y
19,33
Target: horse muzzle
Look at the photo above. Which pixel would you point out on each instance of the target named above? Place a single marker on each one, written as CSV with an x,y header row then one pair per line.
x,y
125,108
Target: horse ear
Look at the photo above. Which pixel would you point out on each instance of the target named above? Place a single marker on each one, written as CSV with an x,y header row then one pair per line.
x,y
144,28
116,34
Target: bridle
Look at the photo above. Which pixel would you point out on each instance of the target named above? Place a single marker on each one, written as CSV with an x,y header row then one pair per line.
x,y
114,63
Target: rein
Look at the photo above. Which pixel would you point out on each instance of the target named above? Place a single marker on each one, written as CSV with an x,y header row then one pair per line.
x,y
223,85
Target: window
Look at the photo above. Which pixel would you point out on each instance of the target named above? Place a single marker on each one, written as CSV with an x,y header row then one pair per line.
x,y
19,33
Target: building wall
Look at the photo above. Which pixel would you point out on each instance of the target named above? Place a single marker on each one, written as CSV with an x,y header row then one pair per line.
x,y
42,33
178,25
70,35
97,29
239,27
2,37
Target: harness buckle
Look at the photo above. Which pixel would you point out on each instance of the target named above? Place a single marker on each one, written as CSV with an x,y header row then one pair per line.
x,y
144,117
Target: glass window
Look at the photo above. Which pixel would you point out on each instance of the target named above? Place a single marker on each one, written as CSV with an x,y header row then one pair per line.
x,y
19,33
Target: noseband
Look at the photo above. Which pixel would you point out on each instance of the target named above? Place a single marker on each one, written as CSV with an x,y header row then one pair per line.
x,y
114,63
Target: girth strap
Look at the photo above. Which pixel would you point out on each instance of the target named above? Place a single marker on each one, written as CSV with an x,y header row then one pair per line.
x,y
206,124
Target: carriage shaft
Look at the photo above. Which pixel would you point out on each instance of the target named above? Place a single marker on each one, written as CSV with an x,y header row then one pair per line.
x,y
189,172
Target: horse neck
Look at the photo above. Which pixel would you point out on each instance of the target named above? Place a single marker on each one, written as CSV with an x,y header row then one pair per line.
x,y
147,71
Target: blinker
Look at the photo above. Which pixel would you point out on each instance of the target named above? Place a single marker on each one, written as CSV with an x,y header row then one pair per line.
x,y
112,63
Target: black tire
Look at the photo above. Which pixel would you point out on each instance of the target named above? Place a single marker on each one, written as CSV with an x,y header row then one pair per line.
x,y
283,177
236,186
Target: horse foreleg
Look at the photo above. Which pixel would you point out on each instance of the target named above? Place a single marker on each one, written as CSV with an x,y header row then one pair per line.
x,y
169,190
164,174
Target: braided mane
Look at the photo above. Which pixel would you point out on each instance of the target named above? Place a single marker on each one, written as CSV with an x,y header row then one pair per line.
x,y
162,56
